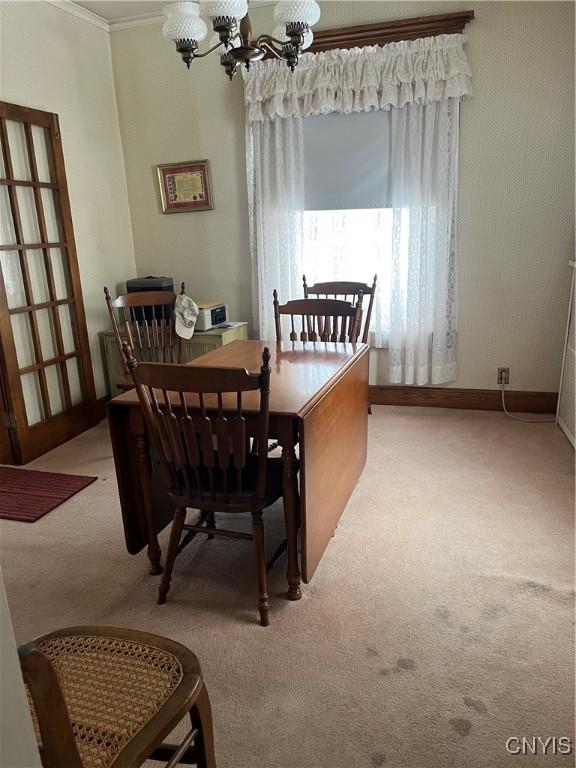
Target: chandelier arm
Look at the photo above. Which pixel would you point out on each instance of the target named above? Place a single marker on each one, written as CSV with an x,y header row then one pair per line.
x,y
263,43
210,50
263,39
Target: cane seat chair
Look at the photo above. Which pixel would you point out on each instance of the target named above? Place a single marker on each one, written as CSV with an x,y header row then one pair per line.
x,y
319,319
103,697
147,324
348,291
199,428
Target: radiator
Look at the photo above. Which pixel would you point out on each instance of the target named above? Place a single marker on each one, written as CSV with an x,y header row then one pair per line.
x,y
199,344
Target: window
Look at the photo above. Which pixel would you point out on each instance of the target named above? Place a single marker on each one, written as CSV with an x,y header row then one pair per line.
x,y
353,167
348,224
356,244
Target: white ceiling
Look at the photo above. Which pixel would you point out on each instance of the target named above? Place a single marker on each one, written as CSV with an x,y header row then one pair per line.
x,y
111,10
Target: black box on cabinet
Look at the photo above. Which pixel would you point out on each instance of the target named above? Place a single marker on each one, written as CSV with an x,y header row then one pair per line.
x,y
151,283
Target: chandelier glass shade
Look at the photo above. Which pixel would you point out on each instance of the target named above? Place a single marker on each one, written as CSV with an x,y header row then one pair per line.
x,y
186,27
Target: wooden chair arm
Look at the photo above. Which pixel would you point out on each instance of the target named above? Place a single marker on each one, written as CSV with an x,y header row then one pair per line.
x,y
58,747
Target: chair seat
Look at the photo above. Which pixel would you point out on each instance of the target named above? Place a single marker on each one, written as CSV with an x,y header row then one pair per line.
x,y
114,685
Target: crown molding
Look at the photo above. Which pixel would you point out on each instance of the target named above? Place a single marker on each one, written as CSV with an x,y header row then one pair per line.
x,y
147,19
126,22
70,7
130,22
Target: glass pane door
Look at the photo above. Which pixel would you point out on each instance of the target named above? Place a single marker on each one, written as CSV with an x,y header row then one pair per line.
x,y
46,355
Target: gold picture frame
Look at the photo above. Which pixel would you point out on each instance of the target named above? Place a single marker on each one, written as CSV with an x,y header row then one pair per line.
x,y
185,186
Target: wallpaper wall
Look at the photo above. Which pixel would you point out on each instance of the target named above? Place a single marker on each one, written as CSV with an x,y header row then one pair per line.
x,y
168,114
516,167
516,176
56,62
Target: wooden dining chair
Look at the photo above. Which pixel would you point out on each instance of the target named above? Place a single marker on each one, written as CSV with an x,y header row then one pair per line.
x,y
348,291
198,426
103,697
147,325
319,319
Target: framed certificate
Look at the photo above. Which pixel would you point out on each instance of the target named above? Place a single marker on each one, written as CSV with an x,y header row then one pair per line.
x,y
185,186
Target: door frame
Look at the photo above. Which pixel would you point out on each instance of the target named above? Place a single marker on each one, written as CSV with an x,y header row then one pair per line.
x,y
7,448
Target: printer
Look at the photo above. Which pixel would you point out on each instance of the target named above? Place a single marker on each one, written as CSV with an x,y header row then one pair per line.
x,y
211,314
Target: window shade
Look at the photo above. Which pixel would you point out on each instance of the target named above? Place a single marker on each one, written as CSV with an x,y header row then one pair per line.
x,y
346,161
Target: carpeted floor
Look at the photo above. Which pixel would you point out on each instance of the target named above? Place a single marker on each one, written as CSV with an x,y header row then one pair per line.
x,y
439,623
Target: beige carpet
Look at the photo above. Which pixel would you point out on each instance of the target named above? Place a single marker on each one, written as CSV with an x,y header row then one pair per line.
x,y
439,623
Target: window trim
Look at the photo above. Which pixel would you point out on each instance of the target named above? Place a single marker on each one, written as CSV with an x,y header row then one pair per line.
x,y
383,32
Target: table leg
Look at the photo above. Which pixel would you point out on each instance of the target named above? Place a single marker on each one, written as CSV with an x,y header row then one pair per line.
x,y
144,472
291,517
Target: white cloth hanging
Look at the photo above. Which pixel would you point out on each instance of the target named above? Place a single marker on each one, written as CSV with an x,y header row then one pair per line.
x,y
419,84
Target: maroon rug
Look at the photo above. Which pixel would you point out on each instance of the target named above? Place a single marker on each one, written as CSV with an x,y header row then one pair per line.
x,y
27,495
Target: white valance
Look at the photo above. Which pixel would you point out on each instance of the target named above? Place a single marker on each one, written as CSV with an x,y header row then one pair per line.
x,y
359,79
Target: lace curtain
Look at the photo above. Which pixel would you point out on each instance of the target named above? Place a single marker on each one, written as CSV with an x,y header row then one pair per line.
x,y
412,240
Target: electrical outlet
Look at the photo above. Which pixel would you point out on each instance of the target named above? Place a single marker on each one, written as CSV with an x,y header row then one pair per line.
x,y
503,375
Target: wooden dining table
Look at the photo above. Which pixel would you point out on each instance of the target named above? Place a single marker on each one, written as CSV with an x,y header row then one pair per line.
x,y
318,415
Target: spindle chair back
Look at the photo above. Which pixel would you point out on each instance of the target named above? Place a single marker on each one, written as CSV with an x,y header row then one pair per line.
x,y
348,291
319,319
147,324
197,421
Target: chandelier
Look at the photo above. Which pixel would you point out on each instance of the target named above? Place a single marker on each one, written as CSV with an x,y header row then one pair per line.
x,y
185,26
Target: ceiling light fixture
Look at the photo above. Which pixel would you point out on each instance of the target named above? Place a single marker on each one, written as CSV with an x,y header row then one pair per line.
x,y
185,26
